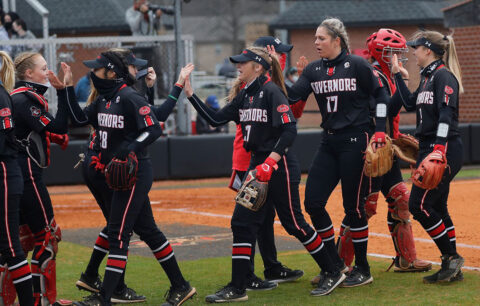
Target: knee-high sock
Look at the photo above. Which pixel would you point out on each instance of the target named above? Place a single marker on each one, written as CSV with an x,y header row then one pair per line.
x,y
451,232
359,230
241,253
22,279
165,256
100,250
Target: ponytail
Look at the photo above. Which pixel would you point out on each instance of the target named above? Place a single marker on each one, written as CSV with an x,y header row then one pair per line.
x,y
277,75
451,61
7,72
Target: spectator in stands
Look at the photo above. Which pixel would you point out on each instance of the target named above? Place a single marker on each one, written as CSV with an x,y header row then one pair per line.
x,y
9,18
4,36
82,89
143,20
202,125
227,69
291,77
21,32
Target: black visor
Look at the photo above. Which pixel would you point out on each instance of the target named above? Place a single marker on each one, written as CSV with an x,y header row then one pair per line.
x,y
137,62
247,56
280,47
422,41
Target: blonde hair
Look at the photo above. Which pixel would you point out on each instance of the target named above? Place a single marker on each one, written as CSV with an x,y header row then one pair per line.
x,y
277,73
449,57
23,62
7,72
336,28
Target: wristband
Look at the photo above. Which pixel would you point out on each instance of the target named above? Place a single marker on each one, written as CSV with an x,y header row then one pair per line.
x,y
179,85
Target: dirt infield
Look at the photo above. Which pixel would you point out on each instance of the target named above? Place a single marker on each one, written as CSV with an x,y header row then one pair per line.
x,y
179,202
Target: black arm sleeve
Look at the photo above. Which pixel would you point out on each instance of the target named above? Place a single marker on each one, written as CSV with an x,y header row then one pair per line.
x,y
151,96
289,132
163,111
301,89
395,105
77,115
60,124
409,99
214,118
381,97
445,116
148,135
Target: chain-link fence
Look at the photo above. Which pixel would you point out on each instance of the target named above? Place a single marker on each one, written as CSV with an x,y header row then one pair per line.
x,y
160,51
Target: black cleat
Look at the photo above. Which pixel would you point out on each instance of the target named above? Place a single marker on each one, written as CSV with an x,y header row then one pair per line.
x,y
227,294
178,296
318,278
282,274
357,277
258,284
431,279
128,295
328,283
458,277
92,300
89,284
451,266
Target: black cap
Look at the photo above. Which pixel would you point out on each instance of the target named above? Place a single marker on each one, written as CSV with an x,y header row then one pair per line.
x,y
247,56
137,62
422,41
100,62
280,47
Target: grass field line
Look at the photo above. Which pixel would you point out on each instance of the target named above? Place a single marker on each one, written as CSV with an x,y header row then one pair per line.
x,y
207,214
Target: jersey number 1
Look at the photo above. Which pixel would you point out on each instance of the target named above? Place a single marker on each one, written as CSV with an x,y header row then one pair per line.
x,y
103,139
332,100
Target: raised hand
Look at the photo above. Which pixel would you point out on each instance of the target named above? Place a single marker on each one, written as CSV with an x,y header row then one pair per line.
x,y
56,83
188,87
301,64
67,74
151,77
271,51
185,73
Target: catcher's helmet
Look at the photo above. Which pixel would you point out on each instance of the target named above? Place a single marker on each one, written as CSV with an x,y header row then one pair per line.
x,y
384,43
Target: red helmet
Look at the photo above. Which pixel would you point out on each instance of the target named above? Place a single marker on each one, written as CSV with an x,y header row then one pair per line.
x,y
384,43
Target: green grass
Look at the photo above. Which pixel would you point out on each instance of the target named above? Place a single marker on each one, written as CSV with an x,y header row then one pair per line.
x,y
145,275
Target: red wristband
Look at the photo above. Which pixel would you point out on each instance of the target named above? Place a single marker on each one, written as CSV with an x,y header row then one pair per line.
x,y
179,85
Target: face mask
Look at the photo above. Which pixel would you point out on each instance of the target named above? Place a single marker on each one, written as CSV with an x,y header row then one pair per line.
x,y
8,26
105,87
283,60
295,78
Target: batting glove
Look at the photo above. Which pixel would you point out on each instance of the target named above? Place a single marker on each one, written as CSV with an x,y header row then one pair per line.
x,y
265,170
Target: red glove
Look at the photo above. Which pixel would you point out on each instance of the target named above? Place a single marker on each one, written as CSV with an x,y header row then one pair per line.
x,y
265,170
60,139
379,140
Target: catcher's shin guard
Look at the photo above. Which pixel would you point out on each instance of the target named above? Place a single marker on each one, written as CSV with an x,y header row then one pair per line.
x,y
7,289
26,239
406,260
398,197
345,247
371,204
46,265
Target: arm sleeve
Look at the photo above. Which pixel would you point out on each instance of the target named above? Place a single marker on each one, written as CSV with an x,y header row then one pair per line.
x,y
148,135
216,118
289,132
150,93
163,111
446,99
408,99
78,116
302,88
59,125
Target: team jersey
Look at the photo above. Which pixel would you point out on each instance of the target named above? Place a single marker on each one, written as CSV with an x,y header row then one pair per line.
x,y
119,121
261,108
435,101
7,136
343,88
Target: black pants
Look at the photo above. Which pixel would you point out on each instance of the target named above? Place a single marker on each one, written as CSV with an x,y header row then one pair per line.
x,y
429,207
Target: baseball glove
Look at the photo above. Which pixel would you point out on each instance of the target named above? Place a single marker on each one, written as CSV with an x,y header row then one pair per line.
x,y
122,174
430,171
405,147
253,193
379,162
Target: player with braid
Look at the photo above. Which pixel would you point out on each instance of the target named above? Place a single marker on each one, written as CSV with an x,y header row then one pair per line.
x,y
15,272
381,46
132,127
436,104
268,129
35,128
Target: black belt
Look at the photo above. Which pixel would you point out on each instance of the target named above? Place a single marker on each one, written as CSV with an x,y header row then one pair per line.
x,y
348,129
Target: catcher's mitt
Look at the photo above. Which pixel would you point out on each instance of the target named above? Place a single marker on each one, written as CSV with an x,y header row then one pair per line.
x,y
405,147
122,174
253,193
379,162
430,171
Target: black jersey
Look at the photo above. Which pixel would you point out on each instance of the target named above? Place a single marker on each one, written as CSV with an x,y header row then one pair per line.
x,y
261,108
119,121
343,88
7,136
435,97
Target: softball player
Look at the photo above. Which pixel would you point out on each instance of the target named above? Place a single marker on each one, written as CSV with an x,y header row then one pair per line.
x,y
343,85
268,129
381,46
92,172
436,104
13,260
35,128
132,127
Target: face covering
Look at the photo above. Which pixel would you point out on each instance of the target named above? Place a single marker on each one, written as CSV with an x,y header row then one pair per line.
x,y
105,87
295,78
